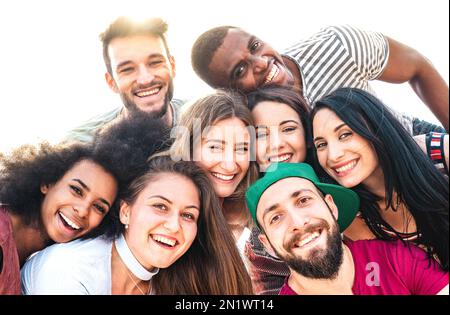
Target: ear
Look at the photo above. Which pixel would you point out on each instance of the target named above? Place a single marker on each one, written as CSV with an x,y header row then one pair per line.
x,y
44,189
111,83
267,246
124,212
172,65
330,202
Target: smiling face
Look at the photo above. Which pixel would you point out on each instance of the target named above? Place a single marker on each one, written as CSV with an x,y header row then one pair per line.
x,y
300,227
223,153
346,156
280,136
78,202
142,73
162,220
246,63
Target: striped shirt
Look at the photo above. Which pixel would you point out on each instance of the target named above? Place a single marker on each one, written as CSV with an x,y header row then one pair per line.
x,y
341,56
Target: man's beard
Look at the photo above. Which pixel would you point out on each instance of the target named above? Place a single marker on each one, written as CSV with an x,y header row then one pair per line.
x,y
321,263
133,109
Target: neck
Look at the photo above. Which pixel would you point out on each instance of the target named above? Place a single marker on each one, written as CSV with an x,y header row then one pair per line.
x,y
294,71
28,238
122,280
375,183
341,285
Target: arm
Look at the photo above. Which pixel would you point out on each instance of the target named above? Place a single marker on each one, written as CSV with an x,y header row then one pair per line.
x,y
406,64
421,141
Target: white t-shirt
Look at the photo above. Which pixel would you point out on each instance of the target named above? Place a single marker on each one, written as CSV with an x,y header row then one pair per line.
x,y
78,267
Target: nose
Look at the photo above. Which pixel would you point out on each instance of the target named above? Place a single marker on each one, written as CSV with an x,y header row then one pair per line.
x,y
335,152
82,209
145,76
228,163
276,140
172,224
298,220
259,63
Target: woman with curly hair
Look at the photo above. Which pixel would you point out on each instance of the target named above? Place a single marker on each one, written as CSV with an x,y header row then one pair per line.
x,y
170,220
55,194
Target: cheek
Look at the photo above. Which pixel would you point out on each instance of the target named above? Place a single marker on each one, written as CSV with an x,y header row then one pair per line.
x,y
261,149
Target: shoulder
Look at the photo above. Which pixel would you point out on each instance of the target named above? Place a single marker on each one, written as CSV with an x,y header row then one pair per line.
x,y
5,225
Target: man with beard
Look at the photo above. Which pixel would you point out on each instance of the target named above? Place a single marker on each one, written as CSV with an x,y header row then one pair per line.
x,y
140,69
299,218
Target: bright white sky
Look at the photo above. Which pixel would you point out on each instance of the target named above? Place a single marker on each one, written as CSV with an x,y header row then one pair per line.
x,y
52,66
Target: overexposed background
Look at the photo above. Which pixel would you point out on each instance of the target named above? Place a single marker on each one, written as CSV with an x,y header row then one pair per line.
x,y
51,77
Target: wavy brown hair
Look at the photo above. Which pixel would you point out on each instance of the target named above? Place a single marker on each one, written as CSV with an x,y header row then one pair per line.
x,y
212,265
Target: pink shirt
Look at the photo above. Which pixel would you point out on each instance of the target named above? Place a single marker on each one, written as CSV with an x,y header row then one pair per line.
x,y
9,264
391,268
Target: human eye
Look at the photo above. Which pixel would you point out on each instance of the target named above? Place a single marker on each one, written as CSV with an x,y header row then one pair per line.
x,y
215,148
100,208
77,190
320,145
156,62
160,206
242,149
289,129
344,135
274,219
261,133
239,71
255,45
125,70
302,201
188,216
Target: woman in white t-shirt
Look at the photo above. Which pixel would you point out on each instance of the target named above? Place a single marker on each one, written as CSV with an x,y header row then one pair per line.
x,y
169,220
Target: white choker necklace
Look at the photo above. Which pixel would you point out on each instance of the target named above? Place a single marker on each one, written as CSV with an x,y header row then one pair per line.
x,y
131,262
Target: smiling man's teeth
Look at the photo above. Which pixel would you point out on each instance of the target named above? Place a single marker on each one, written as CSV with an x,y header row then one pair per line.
x,y
346,167
280,158
222,176
164,240
147,93
309,238
69,222
272,74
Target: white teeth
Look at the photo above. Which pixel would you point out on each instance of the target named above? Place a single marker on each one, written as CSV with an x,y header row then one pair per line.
x,y
164,240
222,176
309,239
346,167
280,158
272,74
69,222
147,93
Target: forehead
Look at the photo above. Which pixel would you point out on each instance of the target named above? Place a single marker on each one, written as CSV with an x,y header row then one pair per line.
x,y
281,191
232,50
325,120
271,113
135,47
86,169
230,128
175,187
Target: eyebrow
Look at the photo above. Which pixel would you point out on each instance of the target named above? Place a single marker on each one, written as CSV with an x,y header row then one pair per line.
x,y
335,129
79,181
289,121
224,142
170,202
124,63
295,194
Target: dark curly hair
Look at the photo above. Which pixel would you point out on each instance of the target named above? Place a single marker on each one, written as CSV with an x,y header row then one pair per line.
x,y
120,150
204,49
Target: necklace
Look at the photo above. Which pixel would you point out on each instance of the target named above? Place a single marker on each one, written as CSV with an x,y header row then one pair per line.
x,y
131,263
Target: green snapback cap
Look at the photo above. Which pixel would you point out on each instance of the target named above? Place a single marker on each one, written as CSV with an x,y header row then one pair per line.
x,y
346,200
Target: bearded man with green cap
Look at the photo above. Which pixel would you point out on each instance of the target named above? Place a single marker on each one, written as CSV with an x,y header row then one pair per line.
x,y
301,220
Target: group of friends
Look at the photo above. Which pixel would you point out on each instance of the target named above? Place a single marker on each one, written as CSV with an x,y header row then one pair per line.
x,y
291,178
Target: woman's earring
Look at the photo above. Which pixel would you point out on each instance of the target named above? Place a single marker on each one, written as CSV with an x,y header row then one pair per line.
x,y
126,226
